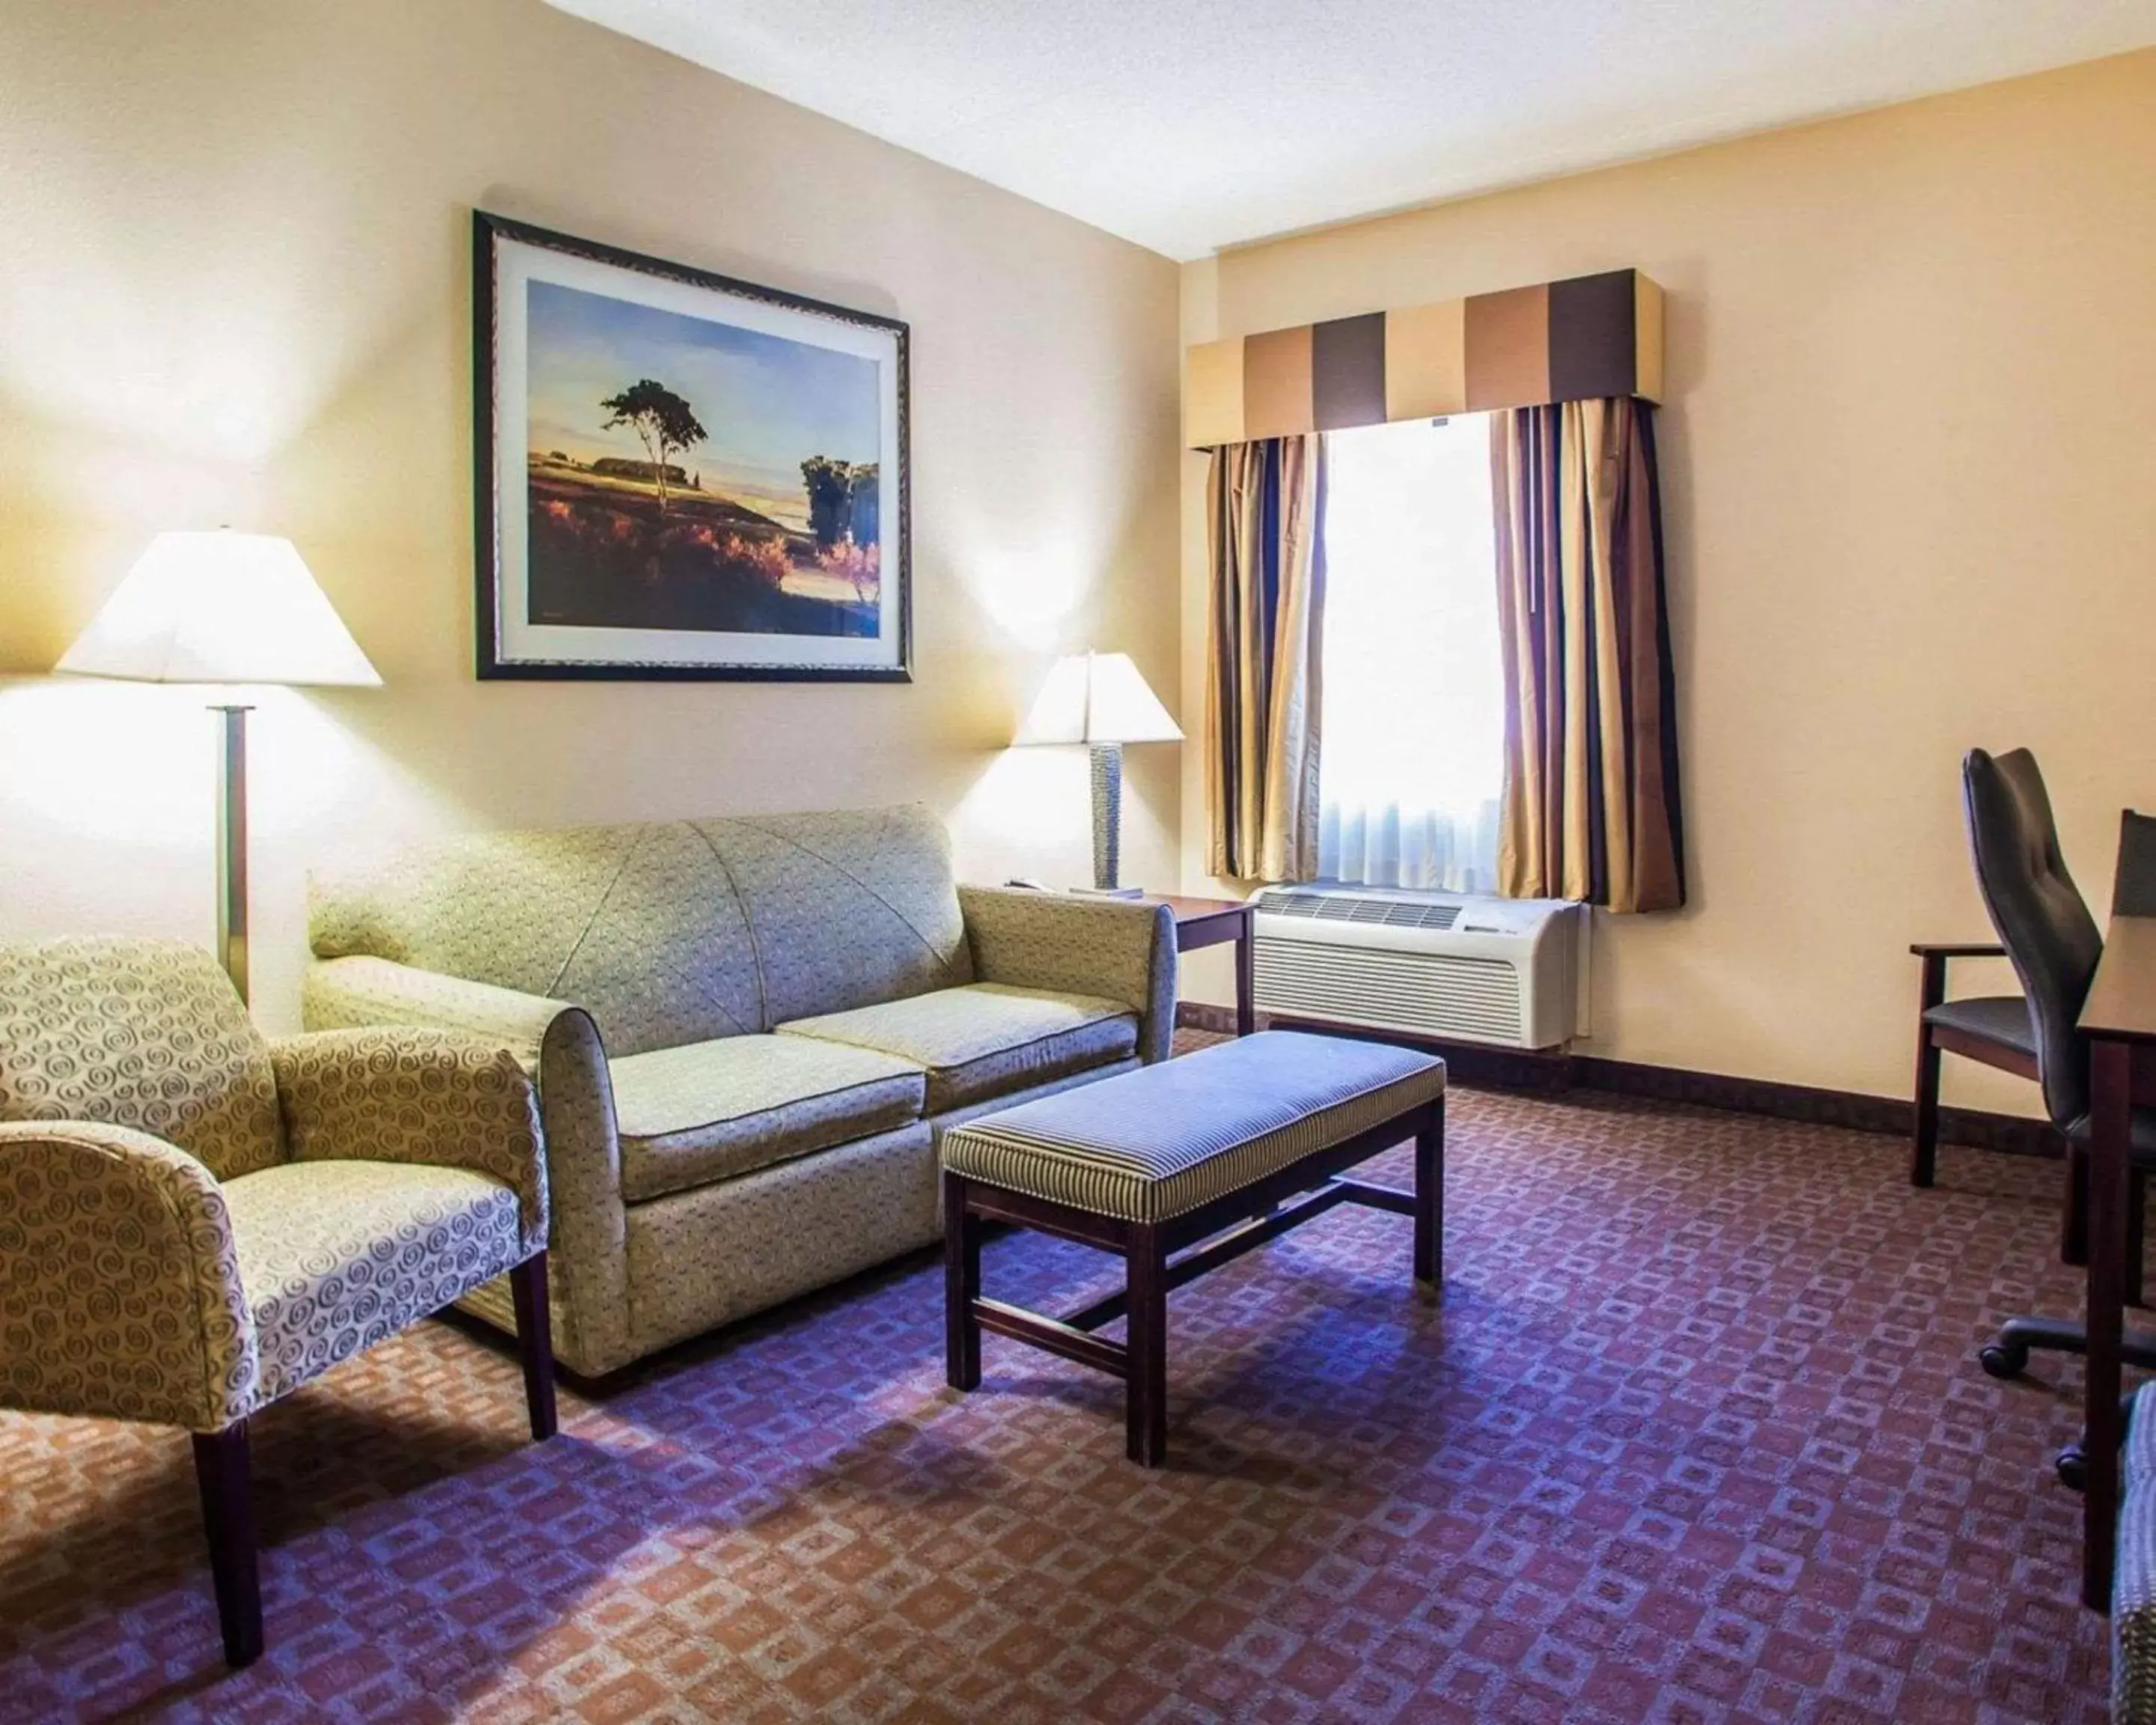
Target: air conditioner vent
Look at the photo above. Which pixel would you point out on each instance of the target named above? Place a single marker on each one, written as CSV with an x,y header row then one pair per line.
x,y
1346,907
1477,1000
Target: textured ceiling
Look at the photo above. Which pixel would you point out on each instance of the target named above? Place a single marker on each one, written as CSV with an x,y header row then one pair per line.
x,y
1191,125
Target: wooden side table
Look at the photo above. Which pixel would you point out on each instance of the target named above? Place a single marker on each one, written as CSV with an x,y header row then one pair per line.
x,y
1213,922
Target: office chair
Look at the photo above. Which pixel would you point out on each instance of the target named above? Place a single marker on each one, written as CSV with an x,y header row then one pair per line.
x,y
2053,944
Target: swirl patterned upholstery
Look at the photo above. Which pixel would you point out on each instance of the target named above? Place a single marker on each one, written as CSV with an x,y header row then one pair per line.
x,y
169,1178
195,1221
702,1166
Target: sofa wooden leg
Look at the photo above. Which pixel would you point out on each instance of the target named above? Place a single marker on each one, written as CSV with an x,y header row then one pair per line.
x,y
534,1341
228,1502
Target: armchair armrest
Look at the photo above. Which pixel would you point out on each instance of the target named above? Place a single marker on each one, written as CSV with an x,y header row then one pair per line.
x,y
394,1093
1120,949
120,1292
558,1044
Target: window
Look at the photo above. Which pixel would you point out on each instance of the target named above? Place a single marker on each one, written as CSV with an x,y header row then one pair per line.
x,y
1411,749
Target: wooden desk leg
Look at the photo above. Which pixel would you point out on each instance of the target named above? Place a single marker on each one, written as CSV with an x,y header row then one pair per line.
x,y
1430,1197
1246,979
2111,1086
962,1287
1146,1404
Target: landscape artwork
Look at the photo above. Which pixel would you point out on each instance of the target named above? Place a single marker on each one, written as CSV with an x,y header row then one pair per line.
x,y
688,477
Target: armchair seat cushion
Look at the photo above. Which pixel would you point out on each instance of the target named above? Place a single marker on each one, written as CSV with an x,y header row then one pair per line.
x,y
2002,1019
985,1039
336,1256
714,1110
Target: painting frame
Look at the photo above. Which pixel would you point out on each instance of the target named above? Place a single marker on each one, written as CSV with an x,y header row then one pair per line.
x,y
499,487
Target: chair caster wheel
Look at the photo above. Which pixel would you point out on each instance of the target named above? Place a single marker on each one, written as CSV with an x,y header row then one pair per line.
x,y
2002,1359
2073,1468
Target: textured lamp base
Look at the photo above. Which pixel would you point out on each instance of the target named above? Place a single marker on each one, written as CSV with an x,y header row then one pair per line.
x,y
1107,815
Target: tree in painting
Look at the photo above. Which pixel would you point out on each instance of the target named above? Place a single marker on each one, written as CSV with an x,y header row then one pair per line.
x,y
664,423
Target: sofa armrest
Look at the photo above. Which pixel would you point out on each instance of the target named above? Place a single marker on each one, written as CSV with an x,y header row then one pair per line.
x,y
1119,949
396,1093
120,1292
559,1044
343,993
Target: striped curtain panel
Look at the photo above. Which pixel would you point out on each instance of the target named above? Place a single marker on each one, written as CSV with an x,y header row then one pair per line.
x,y
1591,809
1265,503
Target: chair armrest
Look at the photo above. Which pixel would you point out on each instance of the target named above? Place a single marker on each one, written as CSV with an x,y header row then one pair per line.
x,y
559,1044
1119,949
120,1292
1956,949
396,1093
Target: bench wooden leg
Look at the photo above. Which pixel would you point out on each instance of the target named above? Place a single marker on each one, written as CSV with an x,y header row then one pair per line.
x,y
962,1286
1146,1405
1430,1196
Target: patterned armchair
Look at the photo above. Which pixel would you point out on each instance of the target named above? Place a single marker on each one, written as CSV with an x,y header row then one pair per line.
x,y
195,1221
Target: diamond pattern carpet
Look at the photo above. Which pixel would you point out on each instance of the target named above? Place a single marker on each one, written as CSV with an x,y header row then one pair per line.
x,y
1697,1434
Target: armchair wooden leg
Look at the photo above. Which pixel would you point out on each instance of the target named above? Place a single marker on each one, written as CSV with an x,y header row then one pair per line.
x,y
2073,1220
2136,1229
534,1341
228,1502
1924,1148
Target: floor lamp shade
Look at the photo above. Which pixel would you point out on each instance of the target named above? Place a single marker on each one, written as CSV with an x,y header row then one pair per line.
x,y
222,608
1100,699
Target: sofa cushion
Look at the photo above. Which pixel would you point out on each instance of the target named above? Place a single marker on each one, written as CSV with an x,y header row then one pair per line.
x,y
711,1111
984,1039
336,1256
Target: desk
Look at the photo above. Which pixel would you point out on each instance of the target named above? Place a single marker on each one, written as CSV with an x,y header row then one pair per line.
x,y
1213,922
2119,1020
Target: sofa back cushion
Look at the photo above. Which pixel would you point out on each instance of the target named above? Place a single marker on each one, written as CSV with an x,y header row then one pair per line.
x,y
672,932
139,1032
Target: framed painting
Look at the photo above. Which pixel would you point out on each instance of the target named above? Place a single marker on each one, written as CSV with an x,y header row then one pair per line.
x,y
681,475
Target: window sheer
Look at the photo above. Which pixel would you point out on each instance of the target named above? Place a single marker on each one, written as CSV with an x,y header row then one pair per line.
x,y
1412,760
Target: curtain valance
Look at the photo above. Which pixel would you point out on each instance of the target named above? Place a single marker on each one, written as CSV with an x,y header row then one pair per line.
x,y
1590,337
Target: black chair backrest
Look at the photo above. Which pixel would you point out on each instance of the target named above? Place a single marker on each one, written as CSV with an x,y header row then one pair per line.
x,y
2046,929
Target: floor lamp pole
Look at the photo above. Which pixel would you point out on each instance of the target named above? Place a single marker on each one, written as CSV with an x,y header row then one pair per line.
x,y
232,843
1107,815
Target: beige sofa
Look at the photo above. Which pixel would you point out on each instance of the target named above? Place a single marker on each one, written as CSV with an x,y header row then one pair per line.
x,y
747,1034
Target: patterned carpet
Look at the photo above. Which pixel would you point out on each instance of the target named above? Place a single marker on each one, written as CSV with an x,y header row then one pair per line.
x,y
1696,1435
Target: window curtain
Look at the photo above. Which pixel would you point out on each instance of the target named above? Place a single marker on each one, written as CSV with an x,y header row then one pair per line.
x,y
1591,808
1264,506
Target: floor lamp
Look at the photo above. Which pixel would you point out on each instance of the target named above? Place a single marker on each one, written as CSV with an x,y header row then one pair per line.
x,y
222,608
1099,699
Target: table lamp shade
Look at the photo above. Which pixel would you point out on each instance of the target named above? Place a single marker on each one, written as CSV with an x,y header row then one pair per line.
x,y
1097,697
219,608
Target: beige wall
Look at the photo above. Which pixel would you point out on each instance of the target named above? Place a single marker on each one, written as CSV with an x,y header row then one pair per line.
x,y
235,288
1910,459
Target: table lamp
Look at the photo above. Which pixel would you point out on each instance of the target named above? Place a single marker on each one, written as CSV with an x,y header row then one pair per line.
x,y
1099,699
222,608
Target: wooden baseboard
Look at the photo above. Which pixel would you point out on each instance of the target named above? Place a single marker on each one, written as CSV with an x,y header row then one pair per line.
x,y
1506,1069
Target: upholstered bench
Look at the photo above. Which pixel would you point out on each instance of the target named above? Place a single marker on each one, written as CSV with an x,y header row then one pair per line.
x,y
1153,1162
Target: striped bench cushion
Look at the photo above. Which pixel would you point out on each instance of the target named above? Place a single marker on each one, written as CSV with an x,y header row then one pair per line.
x,y
1145,1146
2133,1573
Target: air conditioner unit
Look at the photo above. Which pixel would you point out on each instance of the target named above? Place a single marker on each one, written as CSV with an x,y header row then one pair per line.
x,y
1503,971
